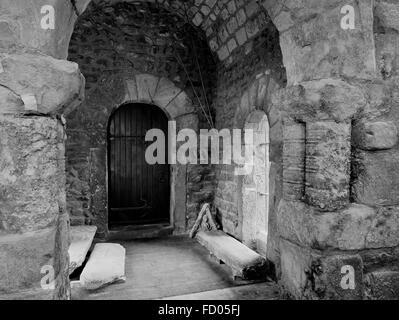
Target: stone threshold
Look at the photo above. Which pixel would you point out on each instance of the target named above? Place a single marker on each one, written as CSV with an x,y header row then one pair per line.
x,y
140,232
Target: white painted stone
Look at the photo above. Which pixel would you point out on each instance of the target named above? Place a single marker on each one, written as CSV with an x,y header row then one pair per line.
x,y
81,240
106,265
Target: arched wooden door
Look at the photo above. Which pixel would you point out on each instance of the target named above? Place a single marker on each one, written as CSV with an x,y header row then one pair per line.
x,y
138,192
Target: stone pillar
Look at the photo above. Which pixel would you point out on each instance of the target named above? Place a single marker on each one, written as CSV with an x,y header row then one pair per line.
x,y
35,90
340,197
327,164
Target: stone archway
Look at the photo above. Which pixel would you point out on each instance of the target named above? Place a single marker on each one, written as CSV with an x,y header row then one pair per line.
x,y
255,187
254,107
163,93
140,88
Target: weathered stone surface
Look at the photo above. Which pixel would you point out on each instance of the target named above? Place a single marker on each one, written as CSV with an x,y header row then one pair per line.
x,y
375,259
244,262
20,25
62,288
317,47
55,84
382,285
10,102
387,13
327,99
249,225
376,176
98,190
106,265
295,261
375,135
294,161
384,230
307,274
329,273
355,228
328,151
387,54
32,178
380,96
22,257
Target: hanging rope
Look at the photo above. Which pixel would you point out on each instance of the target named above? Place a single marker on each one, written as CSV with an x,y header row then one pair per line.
x,y
200,72
193,87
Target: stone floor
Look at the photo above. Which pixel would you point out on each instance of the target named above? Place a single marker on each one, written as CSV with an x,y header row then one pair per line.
x,y
175,268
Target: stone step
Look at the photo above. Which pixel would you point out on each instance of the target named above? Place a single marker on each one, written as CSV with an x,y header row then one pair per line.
x,y
245,263
140,232
106,265
81,240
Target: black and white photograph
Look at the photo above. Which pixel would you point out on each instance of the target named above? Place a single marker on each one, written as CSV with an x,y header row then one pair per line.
x,y
199,155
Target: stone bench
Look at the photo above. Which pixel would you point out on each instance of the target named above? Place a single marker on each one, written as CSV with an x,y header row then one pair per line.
x,y
244,262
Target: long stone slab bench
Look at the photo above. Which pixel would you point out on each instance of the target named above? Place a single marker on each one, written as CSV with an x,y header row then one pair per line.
x,y
245,263
81,240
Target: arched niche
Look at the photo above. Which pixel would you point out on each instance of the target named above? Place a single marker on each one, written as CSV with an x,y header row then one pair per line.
x,y
255,186
254,109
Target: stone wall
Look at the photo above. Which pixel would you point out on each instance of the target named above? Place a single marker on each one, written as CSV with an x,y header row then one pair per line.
x,y
32,188
334,125
114,45
244,85
35,89
338,218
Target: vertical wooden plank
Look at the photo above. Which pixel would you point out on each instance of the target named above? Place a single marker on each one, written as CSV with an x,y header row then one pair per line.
x,y
132,178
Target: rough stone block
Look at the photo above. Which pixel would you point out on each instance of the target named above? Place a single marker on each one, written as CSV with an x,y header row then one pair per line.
x,y
335,275
387,12
384,229
321,100
307,274
23,25
376,178
357,227
375,259
382,285
32,166
316,47
56,84
375,135
387,54
98,191
295,262
328,152
22,257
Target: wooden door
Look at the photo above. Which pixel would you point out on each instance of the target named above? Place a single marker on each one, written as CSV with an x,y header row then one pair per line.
x,y
138,192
